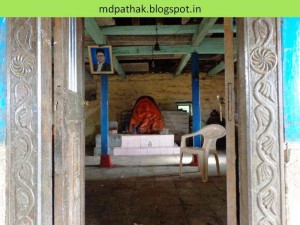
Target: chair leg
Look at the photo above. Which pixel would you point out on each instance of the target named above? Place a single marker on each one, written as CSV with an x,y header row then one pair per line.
x,y
203,167
205,162
217,164
180,164
200,164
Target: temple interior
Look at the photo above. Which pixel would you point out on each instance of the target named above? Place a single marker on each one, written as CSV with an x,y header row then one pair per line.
x,y
156,95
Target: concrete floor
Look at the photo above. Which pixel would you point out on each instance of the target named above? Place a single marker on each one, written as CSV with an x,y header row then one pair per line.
x,y
147,190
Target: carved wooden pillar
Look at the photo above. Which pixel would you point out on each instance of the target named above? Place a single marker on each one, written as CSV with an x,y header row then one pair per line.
x,y
29,122
260,122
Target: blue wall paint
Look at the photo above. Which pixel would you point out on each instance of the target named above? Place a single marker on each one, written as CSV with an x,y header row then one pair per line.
x,y
2,79
196,98
291,78
104,115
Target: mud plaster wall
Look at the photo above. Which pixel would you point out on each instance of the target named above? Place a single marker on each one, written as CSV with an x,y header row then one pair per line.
x,y
164,88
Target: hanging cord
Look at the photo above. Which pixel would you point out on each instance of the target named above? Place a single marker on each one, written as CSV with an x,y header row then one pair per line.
x,y
172,35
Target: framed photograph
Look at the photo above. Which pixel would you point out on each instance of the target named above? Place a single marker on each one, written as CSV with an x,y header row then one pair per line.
x,y
100,58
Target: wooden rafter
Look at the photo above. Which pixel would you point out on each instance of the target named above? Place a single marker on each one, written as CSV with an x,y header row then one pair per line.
x,y
185,20
96,33
218,68
202,30
150,57
144,40
136,67
161,29
208,46
91,26
102,22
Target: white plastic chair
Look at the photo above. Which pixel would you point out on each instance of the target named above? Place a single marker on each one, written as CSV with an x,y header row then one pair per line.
x,y
211,133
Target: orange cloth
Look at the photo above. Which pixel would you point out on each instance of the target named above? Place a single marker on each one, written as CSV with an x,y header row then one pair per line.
x,y
146,117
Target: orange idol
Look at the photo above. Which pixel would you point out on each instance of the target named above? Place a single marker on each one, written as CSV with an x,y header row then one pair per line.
x,y
146,118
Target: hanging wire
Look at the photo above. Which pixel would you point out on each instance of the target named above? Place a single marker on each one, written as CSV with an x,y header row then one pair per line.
x,y
172,35
156,46
152,63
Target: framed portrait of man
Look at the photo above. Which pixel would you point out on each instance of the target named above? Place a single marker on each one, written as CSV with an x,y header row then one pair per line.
x,y
100,58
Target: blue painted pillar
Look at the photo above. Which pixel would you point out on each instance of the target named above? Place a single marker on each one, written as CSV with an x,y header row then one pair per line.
x,y
2,80
291,78
105,160
196,98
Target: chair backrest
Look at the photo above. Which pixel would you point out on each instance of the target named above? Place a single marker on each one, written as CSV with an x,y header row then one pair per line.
x,y
211,133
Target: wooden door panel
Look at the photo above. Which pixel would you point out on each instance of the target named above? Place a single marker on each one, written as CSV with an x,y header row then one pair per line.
x,y
69,122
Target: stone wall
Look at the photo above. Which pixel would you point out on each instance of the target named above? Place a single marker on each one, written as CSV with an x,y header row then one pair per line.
x,y
164,88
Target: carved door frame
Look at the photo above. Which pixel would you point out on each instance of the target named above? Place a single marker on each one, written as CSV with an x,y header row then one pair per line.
x,y
261,163
29,121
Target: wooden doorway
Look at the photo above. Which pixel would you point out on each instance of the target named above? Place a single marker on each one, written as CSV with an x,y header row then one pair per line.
x,y
42,186
28,172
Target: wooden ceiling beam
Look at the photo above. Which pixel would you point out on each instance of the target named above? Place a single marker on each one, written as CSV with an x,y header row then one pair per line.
x,y
205,25
208,46
218,68
150,40
202,57
161,29
106,21
185,20
150,57
91,26
119,68
203,30
136,67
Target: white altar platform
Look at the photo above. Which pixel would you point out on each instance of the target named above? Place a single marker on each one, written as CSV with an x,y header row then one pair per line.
x,y
140,144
